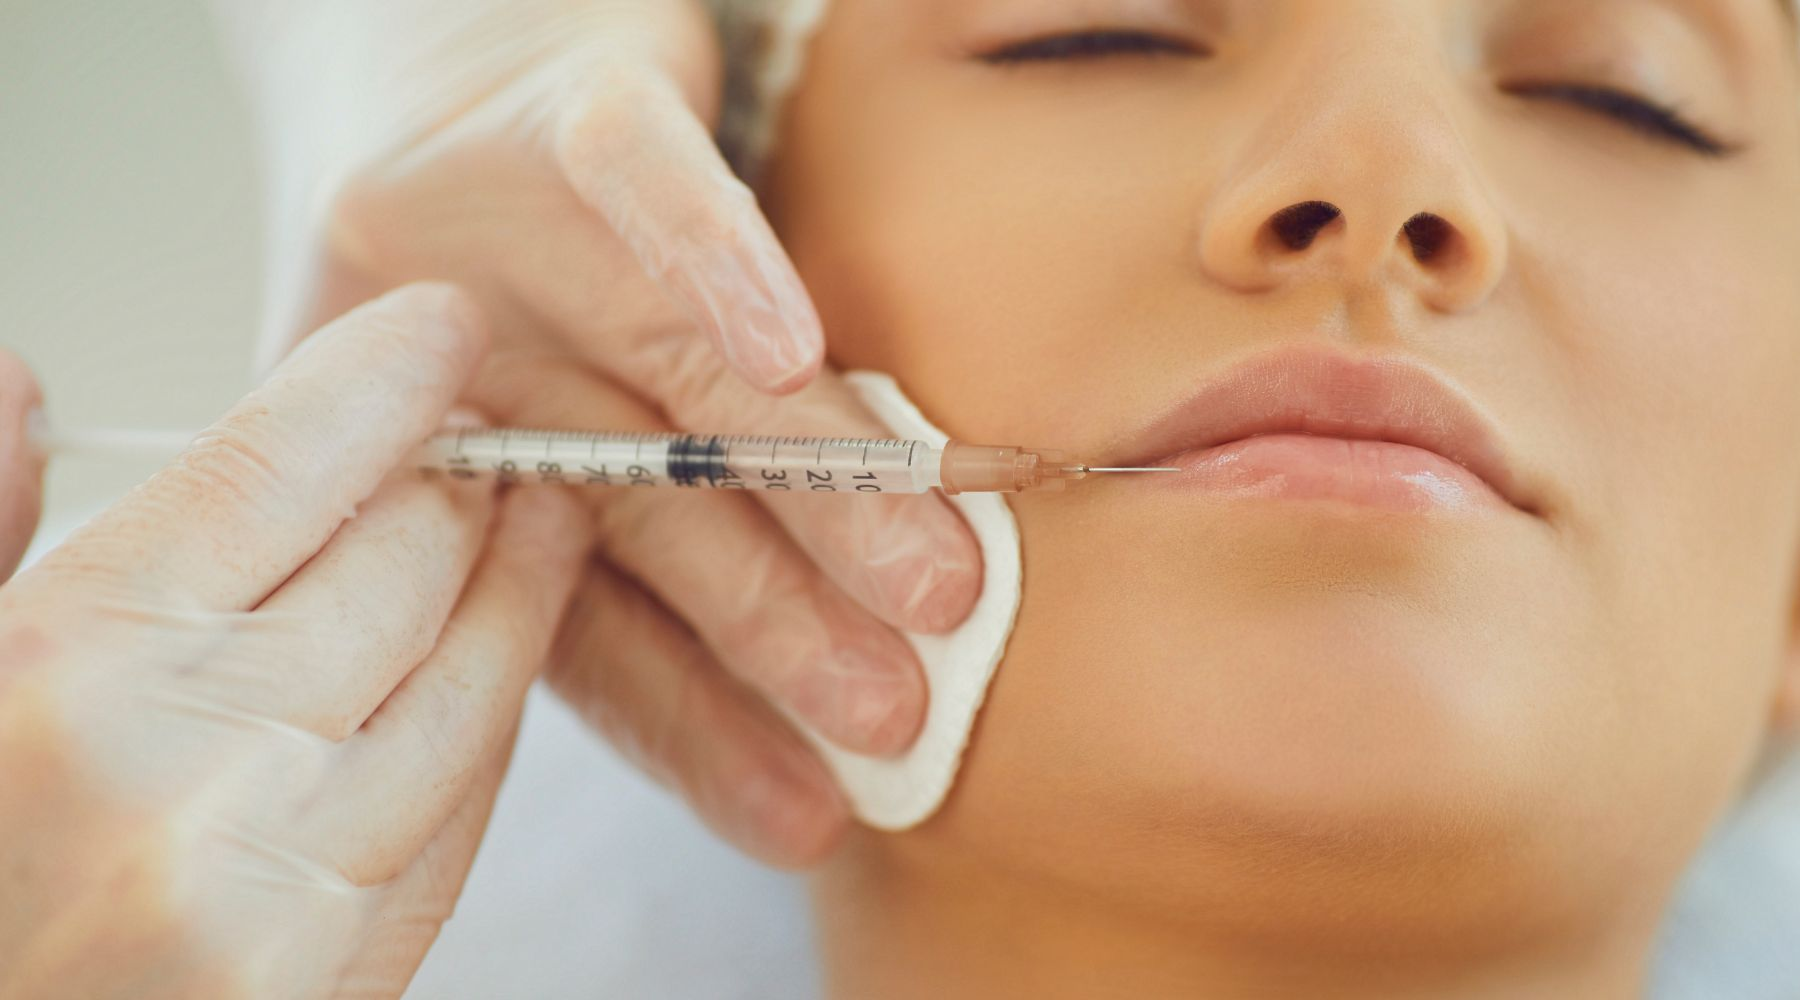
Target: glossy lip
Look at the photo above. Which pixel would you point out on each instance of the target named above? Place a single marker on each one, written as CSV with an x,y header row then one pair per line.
x,y
1328,394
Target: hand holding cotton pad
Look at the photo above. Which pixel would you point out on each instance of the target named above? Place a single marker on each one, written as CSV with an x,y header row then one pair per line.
x,y
900,792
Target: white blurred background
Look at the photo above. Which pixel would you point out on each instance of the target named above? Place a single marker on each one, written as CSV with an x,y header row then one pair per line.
x,y
129,231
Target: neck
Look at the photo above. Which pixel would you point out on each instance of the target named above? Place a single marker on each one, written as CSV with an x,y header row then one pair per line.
x,y
895,932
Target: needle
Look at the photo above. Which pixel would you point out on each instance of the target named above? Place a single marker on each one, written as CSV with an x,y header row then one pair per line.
x,y
1092,469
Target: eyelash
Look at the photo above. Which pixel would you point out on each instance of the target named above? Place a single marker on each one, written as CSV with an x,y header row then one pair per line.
x,y
1089,45
1658,121
1647,117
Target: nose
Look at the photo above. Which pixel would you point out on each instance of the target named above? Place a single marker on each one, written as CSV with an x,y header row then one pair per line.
x,y
1358,175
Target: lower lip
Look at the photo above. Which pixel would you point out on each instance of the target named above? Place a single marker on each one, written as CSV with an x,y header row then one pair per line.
x,y
1380,475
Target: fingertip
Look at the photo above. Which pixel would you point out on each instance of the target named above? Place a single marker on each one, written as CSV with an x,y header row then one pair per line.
x,y
426,321
549,513
779,342
948,595
891,724
786,383
21,462
799,822
19,390
934,584
869,698
446,310
546,527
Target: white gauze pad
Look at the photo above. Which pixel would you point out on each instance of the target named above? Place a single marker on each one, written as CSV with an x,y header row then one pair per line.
x,y
895,793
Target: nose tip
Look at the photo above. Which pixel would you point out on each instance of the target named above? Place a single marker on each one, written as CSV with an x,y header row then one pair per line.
x,y
1451,265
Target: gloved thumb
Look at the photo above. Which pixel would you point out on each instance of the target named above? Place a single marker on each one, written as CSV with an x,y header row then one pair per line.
x,y
634,144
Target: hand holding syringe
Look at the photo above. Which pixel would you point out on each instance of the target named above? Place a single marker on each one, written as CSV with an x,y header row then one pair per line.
x,y
864,466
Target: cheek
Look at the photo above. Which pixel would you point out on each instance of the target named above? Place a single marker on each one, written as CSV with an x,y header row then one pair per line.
x,y
1678,342
1220,697
1010,300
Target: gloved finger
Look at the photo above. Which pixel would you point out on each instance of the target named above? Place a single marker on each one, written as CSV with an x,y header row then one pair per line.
x,y
21,465
647,683
374,601
416,758
909,559
260,492
634,151
312,286
770,617
414,908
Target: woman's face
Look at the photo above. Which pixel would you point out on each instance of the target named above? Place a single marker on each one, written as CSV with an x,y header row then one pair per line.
x,y
1137,228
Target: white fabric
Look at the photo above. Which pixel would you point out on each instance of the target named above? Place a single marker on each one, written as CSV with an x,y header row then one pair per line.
x,y
896,793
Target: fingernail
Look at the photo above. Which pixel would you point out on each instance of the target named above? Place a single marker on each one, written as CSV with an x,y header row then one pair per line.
x,y
930,587
787,359
785,324
794,815
881,703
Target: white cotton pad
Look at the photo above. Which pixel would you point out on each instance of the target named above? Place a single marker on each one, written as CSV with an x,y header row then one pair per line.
x,y
894,793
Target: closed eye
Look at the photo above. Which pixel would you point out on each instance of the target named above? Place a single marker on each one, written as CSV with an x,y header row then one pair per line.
x,y
1655,120
1091,45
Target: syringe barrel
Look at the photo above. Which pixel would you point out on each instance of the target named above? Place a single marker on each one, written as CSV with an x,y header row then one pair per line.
x,y
762,464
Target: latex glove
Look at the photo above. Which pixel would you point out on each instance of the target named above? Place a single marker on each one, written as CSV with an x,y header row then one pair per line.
x,y
248,743
553,156
21,466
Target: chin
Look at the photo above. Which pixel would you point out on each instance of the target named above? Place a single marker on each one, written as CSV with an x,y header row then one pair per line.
x,y
1282,743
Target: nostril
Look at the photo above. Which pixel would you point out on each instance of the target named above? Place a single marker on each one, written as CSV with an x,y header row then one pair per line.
x,y
1297,226
1429,235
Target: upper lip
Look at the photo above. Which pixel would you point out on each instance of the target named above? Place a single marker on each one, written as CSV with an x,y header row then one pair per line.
x,y
1330,394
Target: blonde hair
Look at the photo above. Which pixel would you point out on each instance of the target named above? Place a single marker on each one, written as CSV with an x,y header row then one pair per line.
x,y
765,47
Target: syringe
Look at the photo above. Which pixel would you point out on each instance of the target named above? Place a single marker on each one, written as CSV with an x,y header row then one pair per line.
x,y
763,463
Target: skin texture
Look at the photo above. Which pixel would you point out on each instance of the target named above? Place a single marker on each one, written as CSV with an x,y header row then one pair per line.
x,y
1430,753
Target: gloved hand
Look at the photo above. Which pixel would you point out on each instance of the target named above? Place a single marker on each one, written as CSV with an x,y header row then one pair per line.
x,y
248,742
21,467
553,156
